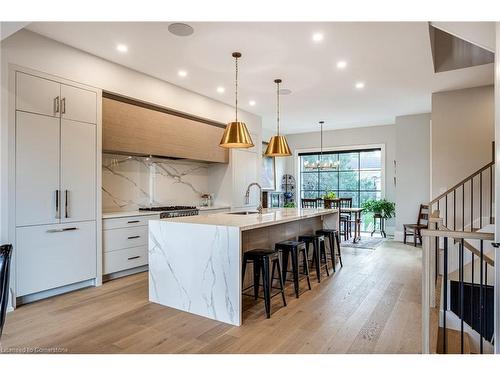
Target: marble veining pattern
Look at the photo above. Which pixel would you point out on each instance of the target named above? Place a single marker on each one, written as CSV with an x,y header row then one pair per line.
x,y
129,182
198,274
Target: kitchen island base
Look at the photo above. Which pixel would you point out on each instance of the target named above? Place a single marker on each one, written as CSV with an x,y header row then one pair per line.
x,y
195,262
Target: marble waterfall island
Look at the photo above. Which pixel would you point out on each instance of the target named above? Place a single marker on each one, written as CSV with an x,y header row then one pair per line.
x,y
195,261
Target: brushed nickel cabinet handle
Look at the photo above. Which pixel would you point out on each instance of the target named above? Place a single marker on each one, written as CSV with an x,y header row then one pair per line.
x,y
136,257
133,237
61,230
66,215
56,104
133,221
58,216
63,105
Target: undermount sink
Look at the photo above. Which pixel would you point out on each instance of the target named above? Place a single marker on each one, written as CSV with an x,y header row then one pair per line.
x,y
243,213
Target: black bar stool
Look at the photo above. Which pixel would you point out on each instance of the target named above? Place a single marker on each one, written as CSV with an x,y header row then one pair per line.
x,y
319,252
262,260
333,241
294,249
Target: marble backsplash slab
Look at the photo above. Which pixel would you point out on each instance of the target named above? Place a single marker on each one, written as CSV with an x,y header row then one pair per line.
x,y
130,182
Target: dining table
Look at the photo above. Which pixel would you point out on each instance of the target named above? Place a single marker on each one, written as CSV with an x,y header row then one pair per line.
x,y
357,220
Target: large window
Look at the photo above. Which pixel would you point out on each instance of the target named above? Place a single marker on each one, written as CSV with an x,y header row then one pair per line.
x,y
358,176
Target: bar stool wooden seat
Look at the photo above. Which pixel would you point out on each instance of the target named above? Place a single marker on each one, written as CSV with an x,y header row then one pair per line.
x,y
334,244
263,260
293,250
319,253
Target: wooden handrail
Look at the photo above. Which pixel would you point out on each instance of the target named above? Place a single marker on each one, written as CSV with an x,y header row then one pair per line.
x,y
441,196
458,234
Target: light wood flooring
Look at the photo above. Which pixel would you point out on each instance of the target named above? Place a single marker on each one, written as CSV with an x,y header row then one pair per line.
x,y
371,305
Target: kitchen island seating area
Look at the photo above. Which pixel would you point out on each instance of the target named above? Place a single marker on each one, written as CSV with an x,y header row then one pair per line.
x,y
290,251
204,264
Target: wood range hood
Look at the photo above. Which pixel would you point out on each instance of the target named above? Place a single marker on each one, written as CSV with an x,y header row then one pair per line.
x,y
137,128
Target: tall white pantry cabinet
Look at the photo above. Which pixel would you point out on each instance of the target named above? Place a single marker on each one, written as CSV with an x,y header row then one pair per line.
x,y
57,157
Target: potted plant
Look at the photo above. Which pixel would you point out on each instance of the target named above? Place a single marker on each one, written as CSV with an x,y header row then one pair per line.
x,y
381,208
329,196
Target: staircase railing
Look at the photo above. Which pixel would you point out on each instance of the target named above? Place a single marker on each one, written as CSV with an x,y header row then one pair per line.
x,y
433,238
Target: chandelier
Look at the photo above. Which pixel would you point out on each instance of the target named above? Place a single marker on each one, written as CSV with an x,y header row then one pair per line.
x,y
321,163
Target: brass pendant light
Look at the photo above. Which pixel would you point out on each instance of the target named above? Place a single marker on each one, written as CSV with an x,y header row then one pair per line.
x,y
278,146
236,134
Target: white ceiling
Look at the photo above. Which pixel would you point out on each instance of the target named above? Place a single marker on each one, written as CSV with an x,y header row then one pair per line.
x,y
393,59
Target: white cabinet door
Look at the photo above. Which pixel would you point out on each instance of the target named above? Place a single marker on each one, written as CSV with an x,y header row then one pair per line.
x,y
244,165
37,169
50,256
37,95
78,104
78,171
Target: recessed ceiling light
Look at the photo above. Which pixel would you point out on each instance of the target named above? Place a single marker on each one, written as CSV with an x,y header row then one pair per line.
x,y
121,47
360,85
182,73
221,90
180,29
341,64
317,37
252,102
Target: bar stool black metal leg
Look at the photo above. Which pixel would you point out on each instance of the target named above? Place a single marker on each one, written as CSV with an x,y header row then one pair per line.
x,y
332,249
337,240
306,267
284,265
316,259
267,286
295,271
281,282
322,245
256,279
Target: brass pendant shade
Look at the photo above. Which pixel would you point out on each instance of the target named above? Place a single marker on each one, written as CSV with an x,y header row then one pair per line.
x,y
278,146
236,134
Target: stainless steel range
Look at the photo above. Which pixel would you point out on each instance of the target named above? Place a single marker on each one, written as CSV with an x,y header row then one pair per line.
x,y
172,211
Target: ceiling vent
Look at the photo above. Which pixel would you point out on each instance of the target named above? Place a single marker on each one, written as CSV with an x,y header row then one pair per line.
x,y
450,52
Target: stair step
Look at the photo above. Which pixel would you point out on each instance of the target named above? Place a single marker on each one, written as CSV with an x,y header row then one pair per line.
x,y
452,342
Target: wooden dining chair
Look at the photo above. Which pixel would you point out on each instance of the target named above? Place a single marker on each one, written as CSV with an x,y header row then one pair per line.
x,y
331,203
309,202
5,255
345,218
414,229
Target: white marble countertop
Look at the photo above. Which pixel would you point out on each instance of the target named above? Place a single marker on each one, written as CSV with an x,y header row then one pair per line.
x,y
270,216
118,214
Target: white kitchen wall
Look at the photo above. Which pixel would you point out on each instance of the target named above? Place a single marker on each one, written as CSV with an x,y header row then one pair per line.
x,y
130,182
34,51
413,168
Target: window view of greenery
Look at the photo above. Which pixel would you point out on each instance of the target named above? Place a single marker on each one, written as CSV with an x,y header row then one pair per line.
x,y
359,176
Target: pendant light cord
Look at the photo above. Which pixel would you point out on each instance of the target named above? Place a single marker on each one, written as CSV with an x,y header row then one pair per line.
x,y
236,88
278,107
321,140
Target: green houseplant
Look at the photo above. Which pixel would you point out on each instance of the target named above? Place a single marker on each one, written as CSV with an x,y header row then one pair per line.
x,y
380,207
330,195
289,205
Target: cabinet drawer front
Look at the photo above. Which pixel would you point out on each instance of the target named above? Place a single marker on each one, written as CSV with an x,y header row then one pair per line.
x,y
127,222
122,238
120,260
50,256
78,104
37,95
